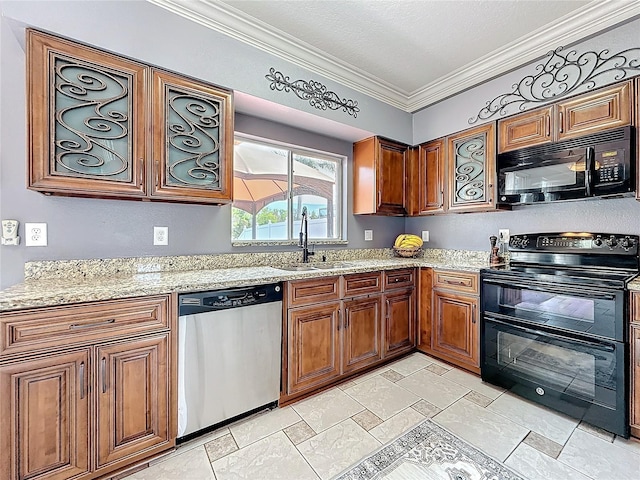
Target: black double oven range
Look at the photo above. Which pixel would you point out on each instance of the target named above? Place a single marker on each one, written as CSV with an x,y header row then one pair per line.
x,y
554,323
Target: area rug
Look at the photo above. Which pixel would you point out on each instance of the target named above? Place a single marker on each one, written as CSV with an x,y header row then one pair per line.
x,y
429,452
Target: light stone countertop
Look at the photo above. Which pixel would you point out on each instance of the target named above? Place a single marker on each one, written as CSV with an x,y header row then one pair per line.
x,y
635,285
55,290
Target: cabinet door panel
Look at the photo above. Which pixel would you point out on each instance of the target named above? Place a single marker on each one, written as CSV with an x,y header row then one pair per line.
x,y
455,333
193,144
362,323
400,335
601,110
44,418
471,169
392,160
86,120
314,345
525,130
133,398
431,177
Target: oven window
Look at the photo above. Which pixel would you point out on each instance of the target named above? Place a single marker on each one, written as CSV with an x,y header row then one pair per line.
x,y
555,306
573,368
526,301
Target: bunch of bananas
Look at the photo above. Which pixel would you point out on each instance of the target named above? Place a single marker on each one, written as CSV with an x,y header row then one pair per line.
x,y
408,240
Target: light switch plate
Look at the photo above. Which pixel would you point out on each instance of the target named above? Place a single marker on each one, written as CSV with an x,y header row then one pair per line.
x,y
35,234
368,235
425,235
503,235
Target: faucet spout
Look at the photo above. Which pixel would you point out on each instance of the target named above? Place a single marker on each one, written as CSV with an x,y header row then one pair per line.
x,y
304,236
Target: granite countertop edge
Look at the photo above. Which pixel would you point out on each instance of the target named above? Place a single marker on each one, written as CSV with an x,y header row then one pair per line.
x,y
55,292
634,285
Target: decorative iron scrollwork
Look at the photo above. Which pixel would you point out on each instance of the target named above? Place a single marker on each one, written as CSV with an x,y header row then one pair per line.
x,y
562,75
193,146
315,92
469,170
90,121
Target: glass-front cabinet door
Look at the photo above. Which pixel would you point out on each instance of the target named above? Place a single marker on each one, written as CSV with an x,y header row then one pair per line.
x,y
192,130
86,120
471,165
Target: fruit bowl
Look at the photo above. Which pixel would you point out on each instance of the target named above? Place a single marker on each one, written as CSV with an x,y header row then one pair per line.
x,y
407,252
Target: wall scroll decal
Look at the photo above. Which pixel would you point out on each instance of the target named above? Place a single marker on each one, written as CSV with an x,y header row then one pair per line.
x,y
315,92
561,75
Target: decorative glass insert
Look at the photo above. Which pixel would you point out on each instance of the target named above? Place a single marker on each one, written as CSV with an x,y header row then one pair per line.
x,y
194,125
469,165
91,119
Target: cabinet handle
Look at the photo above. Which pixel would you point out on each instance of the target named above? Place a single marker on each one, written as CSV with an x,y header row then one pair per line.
x,y
339,319
346,320
561,122
141,171
78,326
81,380
455,282
157,164
104,375
473,313
441,199
548,125
379,197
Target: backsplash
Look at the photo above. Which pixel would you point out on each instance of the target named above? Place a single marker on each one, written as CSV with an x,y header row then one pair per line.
x,y
52,269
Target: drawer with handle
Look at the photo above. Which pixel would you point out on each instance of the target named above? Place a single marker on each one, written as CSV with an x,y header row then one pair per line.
x,y
456,280
313,290
399,278
41,328
362,284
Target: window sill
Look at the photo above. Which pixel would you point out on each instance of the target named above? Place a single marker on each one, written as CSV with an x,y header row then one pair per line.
x,y
289,243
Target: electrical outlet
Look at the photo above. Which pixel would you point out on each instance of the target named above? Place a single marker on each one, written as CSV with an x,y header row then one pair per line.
x,y
503,235
161,235
425,235
35,234
368,235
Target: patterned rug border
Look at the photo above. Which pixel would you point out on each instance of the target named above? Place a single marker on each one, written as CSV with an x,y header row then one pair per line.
x,y
370,466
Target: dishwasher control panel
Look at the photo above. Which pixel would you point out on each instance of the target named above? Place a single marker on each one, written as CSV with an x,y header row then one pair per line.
x,y
200,302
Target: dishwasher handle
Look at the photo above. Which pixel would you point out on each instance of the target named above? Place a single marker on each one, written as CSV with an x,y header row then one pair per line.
x,y
211,301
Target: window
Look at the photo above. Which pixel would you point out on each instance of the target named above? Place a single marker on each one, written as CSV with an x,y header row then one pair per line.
x,y
272,183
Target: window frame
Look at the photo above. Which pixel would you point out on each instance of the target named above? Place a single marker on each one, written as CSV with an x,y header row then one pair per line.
x,y
293,150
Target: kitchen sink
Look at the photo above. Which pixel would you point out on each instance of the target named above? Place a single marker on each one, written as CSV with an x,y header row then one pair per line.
x,y
296,267
328,265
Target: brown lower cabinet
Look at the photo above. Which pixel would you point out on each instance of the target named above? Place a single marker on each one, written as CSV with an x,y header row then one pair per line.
x,y
449,325
336,326
634,341
79,408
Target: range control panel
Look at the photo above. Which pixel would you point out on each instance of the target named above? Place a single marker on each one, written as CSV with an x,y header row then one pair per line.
x,y
576,242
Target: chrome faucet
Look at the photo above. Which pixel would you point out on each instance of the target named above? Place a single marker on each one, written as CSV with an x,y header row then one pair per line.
x,y
304,236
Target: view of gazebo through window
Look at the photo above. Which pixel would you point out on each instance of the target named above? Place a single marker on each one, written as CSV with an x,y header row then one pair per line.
x,y
271,185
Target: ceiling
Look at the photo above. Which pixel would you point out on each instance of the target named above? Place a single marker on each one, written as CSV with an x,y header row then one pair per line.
x,y
407,53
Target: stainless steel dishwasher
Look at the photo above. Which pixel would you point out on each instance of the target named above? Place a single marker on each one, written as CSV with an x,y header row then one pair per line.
x,y
229,355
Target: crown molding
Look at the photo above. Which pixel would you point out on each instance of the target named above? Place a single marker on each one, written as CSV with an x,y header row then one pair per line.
x,y
580,24
589,20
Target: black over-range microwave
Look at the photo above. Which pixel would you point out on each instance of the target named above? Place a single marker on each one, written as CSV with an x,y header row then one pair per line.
x,y
597,165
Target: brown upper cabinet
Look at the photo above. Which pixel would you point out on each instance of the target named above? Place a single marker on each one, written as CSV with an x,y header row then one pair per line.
x,y
101,125
428,182
591,112
471,169
379,177
454,174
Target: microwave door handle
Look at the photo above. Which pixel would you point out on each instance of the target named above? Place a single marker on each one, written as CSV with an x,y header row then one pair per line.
x,y
588,176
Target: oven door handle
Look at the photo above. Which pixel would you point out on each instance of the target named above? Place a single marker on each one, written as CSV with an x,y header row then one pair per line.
x,y
600,345
565,290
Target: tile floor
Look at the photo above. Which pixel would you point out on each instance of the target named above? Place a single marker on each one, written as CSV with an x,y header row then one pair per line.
x,y
319,437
